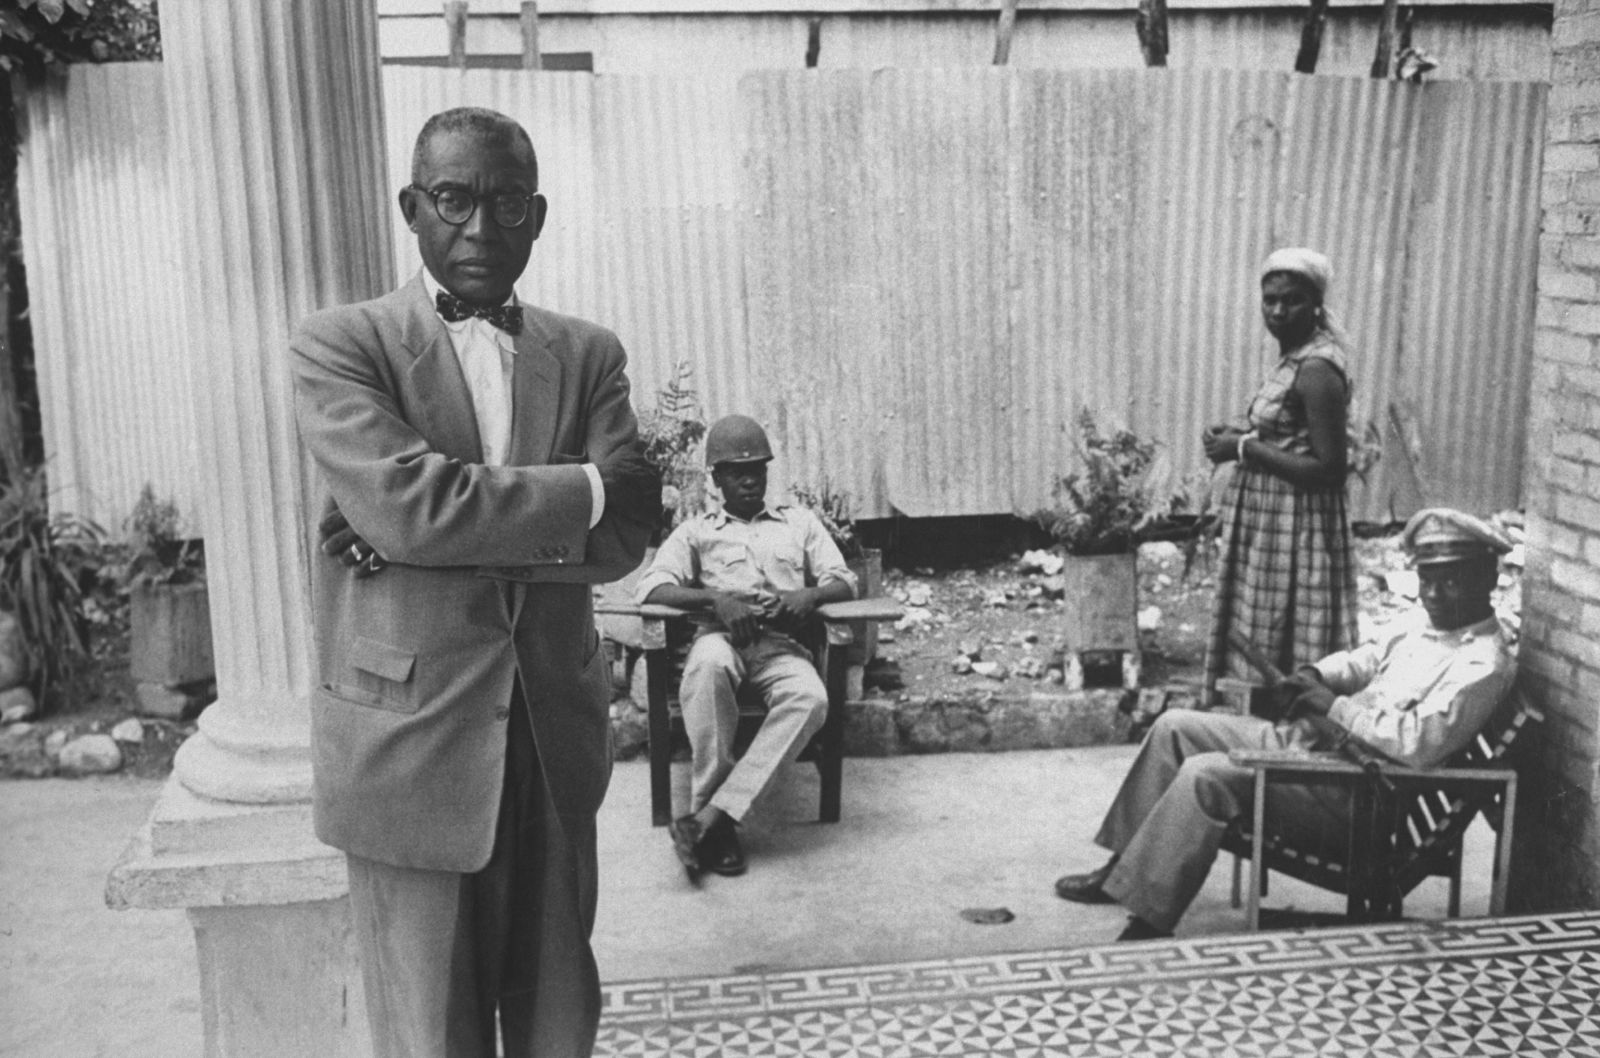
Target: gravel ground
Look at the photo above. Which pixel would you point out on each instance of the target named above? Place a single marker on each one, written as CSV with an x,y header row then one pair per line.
x,y
1007,611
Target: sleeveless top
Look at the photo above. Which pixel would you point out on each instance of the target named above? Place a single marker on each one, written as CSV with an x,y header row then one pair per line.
x,y
1277,413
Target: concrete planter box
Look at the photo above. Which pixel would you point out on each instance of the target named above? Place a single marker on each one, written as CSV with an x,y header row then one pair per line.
x,y
1100,612
869,584
170,634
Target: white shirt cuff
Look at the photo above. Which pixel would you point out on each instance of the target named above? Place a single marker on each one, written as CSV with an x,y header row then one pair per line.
x,y
597,494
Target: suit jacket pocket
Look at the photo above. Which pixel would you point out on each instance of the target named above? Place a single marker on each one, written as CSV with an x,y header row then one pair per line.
x,y
378,675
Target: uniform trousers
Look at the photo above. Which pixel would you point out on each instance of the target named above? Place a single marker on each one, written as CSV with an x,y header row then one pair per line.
x,y
442,953
797,703
1168,819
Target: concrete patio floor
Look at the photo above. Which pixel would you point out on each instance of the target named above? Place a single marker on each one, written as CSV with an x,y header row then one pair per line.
x,y
922,839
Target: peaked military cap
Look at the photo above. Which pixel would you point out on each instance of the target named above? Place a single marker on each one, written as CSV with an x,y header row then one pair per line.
x,y
1439,535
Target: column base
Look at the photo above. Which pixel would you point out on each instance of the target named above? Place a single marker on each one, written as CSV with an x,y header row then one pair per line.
x,y
279,973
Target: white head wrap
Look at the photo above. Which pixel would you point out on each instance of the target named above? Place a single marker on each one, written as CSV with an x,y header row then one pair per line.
x,y
1315,269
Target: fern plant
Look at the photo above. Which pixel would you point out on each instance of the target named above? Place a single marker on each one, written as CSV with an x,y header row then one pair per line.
x,y
1099,507
672,430
158,552
835,509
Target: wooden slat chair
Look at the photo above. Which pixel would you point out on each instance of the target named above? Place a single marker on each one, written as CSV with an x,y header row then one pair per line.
x,y
667,633
1398,836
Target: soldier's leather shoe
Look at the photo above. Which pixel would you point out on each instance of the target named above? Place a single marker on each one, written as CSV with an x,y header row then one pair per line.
x,y
720,851
1086,888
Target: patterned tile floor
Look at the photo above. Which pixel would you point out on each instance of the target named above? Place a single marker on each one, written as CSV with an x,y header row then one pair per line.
x,y
1511,986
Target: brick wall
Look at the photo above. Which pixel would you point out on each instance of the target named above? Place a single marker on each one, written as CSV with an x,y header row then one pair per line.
x,y
1557,858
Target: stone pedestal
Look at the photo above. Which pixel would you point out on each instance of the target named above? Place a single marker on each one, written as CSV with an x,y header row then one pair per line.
x,y
278,968
275,121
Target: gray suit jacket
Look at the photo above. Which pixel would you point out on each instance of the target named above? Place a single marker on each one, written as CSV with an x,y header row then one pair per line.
x,y
489,576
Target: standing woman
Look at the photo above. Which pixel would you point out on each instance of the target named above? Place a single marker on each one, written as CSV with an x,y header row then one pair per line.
x,y
1286,581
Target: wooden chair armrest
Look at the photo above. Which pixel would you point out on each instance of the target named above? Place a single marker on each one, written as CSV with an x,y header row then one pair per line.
x,y
1283,764
875,609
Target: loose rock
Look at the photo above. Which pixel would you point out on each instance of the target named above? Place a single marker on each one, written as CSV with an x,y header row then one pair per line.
x,y
54,741
918,594
1047,562
992,669
1149,619
90,755
971,651
915,617
961,665
17,704
1030,668
995,598
129,730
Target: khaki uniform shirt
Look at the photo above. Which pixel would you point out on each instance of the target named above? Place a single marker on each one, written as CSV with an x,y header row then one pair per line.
x,y
1419,695
781,549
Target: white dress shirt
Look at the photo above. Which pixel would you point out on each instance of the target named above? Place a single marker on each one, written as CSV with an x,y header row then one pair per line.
x,y
486,354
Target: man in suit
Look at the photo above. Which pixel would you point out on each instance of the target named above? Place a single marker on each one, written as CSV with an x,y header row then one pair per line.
x,y
482,469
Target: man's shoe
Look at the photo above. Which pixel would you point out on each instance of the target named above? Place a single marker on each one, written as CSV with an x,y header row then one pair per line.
x,y
1086,888
1138,929
720,851
686,839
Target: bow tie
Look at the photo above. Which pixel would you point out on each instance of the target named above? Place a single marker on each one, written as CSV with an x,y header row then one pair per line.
x,y
453,310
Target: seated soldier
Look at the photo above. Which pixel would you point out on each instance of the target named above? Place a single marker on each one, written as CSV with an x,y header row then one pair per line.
x,y
1417,694
756,573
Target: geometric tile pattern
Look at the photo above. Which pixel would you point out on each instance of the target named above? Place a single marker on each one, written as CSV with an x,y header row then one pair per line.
x,y
1510,986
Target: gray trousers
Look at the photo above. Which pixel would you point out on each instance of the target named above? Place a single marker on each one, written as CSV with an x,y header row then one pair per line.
x,y
797,704
1180,795
443,953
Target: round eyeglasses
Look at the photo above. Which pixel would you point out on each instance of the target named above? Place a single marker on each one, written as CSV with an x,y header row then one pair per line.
x,y
455,205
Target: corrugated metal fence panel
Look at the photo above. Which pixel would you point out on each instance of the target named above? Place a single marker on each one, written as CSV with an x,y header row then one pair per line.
x,y
666,175
1122,235
98,217
1468,299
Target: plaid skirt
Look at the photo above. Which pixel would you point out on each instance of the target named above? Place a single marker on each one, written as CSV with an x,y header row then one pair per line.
x,y
1286,578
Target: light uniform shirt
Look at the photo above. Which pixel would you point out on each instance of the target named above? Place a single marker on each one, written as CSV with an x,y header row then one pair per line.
x,y
1417,694
486,354
781,549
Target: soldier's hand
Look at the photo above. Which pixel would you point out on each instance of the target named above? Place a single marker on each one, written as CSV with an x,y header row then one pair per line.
x,y
742,620
345,544
633,487
796,607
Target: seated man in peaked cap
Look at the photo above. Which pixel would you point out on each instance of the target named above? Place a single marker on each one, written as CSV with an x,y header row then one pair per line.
x,y
1418,694
755,572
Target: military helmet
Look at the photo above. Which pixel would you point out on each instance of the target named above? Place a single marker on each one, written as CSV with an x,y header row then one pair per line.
x,y
736,439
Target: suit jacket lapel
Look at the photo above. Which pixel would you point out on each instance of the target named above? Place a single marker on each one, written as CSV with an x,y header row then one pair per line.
x,y
436,381
535,397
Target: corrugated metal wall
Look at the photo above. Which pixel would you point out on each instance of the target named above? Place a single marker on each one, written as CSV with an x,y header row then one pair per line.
x,y
100,217
916,277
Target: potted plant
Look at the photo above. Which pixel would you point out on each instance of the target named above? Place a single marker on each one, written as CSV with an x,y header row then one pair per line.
x,y
1095,519
835,509
170,619
672,429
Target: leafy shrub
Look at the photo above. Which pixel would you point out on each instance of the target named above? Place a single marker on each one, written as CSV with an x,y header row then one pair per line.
x,y
51,579
1099,508
836,510
672,430
157,552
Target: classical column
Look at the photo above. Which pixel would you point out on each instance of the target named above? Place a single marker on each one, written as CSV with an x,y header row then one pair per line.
x,y
276,123
275,127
